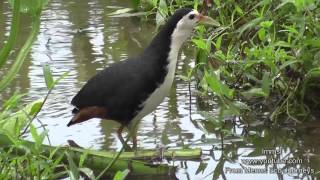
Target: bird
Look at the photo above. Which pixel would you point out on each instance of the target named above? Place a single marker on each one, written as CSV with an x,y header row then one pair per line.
x,y
128,90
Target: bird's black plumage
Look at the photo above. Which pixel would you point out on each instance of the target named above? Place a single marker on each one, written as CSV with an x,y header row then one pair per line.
x,y
123,87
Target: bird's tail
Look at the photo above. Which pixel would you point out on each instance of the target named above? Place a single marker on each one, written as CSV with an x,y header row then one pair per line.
x,y
87,113
75,111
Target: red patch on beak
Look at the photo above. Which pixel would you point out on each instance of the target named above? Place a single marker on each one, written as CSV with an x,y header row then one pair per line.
x,y
200,17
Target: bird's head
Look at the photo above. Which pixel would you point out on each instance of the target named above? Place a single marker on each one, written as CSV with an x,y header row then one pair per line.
x,y
185,20
190,18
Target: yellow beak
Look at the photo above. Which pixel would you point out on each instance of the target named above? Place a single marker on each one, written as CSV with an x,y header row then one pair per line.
x,y
207,20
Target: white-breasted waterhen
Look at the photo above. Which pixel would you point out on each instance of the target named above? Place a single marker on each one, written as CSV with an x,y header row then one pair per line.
x,y
129,90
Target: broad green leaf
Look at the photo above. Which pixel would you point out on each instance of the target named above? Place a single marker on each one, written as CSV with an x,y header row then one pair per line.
x,y
218,169
160,19
48,76
163,8
38,138
266,83
17,120
239,10
15,24
262,34
217,2
135,3
282,44
154,3
287,63
83,157
315,72
214,84
254,92
73,169
12,102
313,42
202,166
162,12
218,87
31,6
65,74
266,24
23,52
34,132
121,175
88,172
249,25
227,91
218,42
200,43
195,4
36,107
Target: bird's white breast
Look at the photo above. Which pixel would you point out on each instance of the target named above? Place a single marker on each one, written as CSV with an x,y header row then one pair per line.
x,y
178,37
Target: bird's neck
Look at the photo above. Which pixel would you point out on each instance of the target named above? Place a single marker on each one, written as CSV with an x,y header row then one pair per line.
x,y
168,41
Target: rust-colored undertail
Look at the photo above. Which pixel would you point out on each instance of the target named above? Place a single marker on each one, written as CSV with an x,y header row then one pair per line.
x,y
87,113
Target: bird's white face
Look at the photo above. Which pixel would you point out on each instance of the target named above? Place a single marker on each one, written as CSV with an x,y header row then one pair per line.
x,y
187,23
190,20
185,27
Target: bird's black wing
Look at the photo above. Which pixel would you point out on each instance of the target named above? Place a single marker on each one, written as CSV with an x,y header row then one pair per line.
x,y
120,88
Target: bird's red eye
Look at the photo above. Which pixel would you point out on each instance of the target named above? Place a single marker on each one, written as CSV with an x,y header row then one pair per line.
x,y
191,16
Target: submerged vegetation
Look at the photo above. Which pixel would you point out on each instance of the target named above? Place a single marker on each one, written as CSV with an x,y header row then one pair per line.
x,y
262,67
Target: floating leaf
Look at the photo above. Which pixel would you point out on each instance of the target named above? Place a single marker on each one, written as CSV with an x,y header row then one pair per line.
x,y
129,14
120,11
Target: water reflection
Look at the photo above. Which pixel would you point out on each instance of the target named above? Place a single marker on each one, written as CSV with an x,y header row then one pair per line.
x,y
79,37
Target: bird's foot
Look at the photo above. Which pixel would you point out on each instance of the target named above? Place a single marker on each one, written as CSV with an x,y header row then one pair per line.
x,y
161,149
74,144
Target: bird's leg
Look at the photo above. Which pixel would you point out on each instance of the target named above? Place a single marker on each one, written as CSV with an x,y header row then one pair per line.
x,y
125,145
133,128
134,140
74,144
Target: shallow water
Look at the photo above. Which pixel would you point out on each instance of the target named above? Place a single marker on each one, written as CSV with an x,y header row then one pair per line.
x,y
78,37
